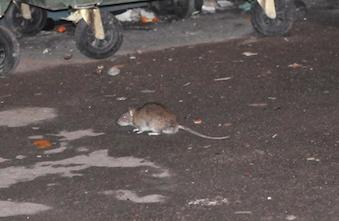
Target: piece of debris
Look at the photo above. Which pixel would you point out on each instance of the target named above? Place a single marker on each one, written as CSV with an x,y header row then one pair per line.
x,y
223,79
313,159
68,56
136,15
148,17
132,57
42,144
274,136
99,70
296,65
291,217
258,105
224,4
243,212
113,71
20,157
209,6
47,50
147,91
197,121
248,53
121,98
60,29
187,84
217,201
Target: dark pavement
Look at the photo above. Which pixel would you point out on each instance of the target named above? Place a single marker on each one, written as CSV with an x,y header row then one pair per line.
x,y
280,108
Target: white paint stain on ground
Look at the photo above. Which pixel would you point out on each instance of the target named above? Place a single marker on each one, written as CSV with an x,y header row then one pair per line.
x,y
9,208
128,195
217,201
69,167
74,135
24,116
3,160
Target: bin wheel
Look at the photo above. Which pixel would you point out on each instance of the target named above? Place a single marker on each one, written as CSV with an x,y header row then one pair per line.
x,y
198,4
9,51
24,27
183,8
279,26
95,48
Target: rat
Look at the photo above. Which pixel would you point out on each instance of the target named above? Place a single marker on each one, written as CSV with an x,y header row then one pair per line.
x,y
156,119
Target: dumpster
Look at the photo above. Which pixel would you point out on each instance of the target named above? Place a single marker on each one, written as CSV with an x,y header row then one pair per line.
x,y
98,34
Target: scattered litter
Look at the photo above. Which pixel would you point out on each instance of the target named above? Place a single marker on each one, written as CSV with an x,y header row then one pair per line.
x,y
56,150
187,84
223,79
132,196
209,7
3,160
217,201
224,4
113,71
226,125
100,68
313,159
147,91
296,65
197,121
35,128
60,29
121,98
82,149
258,105
207,146
132,57
136,15
42,144
148,17
248,54
20,157
272,98
246,6
36,137
47,50
269,198
243,212
291,217
274,136
68,56
129,16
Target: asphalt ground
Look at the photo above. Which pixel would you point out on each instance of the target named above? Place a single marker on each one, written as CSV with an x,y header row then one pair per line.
x,y
63,157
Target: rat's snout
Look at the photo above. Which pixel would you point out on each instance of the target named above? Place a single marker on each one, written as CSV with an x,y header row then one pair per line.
x,y
125,120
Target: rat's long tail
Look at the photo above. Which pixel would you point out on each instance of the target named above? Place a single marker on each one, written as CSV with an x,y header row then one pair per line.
x,y
201,135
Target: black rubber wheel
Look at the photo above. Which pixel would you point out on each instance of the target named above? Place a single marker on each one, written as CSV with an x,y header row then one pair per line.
x,y
21,26
301,9
96,48
279,26
198,4
9,51
183,8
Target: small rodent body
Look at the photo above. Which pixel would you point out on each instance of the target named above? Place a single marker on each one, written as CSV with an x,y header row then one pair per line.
x,y
155,119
